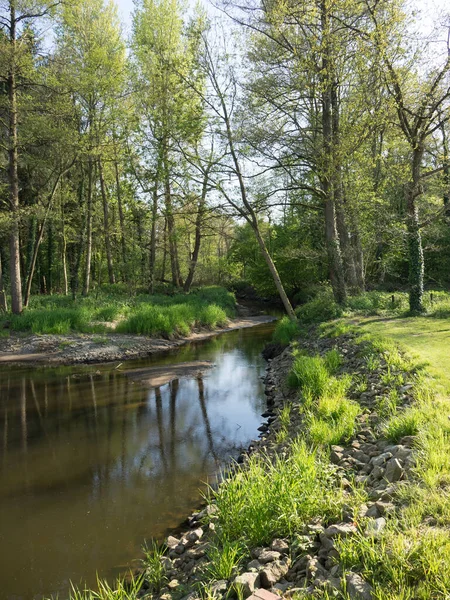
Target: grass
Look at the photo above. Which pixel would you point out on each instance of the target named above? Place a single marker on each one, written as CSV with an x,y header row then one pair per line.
x,y
121,590
158,315
274,498
286,330
155,573
224,558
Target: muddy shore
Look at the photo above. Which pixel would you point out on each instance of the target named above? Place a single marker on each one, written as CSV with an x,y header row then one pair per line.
x,y
72,349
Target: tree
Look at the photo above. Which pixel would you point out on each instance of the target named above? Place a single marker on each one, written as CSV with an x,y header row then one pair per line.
x,y
15,21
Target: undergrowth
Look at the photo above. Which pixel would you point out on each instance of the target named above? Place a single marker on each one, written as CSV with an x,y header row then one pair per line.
x,y
156,315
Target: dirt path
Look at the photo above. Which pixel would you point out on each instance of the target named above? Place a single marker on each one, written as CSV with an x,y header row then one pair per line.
x,y
96,348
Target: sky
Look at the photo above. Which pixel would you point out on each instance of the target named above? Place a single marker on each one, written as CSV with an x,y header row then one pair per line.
x,y
429,9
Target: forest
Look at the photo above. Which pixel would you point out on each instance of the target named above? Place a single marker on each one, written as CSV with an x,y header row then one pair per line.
x,y
291,146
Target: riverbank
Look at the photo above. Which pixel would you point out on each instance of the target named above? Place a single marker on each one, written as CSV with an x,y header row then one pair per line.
x,y
53,349
344,495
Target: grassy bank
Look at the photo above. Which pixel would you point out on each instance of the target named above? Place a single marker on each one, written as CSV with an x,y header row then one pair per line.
x,y
157,315
351,401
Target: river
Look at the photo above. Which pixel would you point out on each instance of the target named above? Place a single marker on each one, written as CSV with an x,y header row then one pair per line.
x,y
94,461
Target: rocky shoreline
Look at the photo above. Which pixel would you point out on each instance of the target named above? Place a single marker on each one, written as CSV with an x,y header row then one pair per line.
x,y
308,566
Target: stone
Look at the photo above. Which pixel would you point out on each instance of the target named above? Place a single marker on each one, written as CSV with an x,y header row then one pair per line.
x,y
280,546
195,535
373,512
246,583
378,461
263,595
172,542
377,472
268,556
375,527
172,585
340,530
254,565
273,572
357,588
218,588
326,541
394,470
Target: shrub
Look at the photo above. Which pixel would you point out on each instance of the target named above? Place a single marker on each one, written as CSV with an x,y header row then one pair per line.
x,y
285,331
322,308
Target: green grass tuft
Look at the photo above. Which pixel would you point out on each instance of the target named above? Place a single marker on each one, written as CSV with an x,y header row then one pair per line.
x,y
286,331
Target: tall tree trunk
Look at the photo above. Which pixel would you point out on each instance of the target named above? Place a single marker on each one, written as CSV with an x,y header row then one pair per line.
x,y
416,262
446,169
87,272
171,230
198,232
13,178
335,263
347,250
122,224
50,249
107,232
151,282
3,300
163,267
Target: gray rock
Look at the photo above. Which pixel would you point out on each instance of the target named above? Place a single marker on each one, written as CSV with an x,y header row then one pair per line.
x,y
357,588
218,588
340,530
394,470
268,556
375,527
378,461
254,565
280,546
172,542
246,583
373,512
273,572
377,472
195,535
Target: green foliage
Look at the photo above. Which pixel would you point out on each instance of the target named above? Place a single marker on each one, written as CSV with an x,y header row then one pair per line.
x,y
275,497
224,557
149,315
285,331
333,361
155,573
310,374
121,590
322,308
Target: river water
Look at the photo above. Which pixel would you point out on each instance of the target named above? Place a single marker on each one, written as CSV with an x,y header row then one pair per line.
x,y
94,462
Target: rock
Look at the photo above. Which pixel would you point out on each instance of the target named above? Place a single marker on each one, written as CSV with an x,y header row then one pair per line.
x,y
254,565
340,530
394,470
194,536
373,512
172,542
272,573
280,546
357,588
378,461
375,527
172,585
377,472
218,588
268,556
246,583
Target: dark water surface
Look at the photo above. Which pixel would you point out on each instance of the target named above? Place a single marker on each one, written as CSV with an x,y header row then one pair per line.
x,y
92,463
